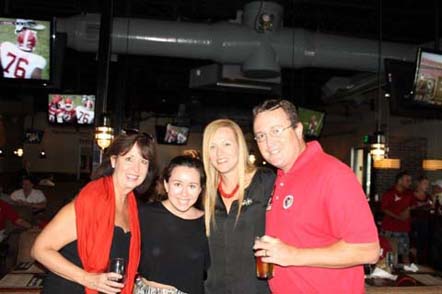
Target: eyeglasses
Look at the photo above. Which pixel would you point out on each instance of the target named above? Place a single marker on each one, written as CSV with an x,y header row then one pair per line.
x,y
274,132
131,132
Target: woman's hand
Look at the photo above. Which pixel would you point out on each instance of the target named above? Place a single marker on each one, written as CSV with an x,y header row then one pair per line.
x,y
104,283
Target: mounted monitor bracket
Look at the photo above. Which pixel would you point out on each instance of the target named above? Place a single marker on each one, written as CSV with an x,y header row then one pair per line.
x,y
220,77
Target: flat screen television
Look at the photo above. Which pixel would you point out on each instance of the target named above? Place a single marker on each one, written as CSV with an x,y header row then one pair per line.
x,y
172,134
26,49
428,78
71,109
33,136
312,121
400,83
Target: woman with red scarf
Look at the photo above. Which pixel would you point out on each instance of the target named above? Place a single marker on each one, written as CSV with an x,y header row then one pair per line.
x,y
100,223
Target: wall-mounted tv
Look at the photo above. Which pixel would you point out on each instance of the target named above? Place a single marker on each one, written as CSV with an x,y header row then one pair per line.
x,y
428,78
71,109
400,81
172,134
312,121
33,136
26,49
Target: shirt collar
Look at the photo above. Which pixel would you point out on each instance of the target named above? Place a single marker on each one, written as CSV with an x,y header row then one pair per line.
x,y
312,148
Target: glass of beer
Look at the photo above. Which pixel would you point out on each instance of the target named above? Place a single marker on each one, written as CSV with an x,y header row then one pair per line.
x,y
264,270
118,265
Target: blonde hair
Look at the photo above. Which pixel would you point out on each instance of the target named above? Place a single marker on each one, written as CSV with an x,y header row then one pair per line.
x,y
213,177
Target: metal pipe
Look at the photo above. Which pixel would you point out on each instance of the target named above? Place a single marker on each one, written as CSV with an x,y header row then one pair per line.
x,y
232,43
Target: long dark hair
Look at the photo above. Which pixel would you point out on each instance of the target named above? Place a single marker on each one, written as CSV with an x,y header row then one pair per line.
x,y
123,144
186,161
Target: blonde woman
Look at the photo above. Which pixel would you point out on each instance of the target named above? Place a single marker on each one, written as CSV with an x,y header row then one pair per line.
x,y
236,199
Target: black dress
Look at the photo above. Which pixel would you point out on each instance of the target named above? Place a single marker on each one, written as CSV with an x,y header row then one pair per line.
x,y
232,270
174,251
55,284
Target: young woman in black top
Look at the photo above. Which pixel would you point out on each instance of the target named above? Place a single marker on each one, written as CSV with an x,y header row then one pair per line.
x,y
175,252
236,199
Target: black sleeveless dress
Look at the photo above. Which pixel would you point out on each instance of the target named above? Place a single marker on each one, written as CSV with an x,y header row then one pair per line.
x,y
55,284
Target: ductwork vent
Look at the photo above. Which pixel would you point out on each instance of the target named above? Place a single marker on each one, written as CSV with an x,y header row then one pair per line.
x,y
229,78
92,31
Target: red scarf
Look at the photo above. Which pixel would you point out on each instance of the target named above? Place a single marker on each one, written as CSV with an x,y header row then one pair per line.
x,y
95,215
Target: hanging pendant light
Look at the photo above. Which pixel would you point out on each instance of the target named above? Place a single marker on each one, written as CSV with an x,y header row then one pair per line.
x,y
377,148
104,133
387,163
432,164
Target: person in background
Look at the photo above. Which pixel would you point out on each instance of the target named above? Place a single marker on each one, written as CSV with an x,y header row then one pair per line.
x,y
319,227
101,223
420,218
236,198
175,254
7,213
436,192
8,244
396,204
28,196
435,254
5,197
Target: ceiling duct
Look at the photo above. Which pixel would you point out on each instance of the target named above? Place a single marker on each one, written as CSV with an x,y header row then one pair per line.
x,y
229,78
260,45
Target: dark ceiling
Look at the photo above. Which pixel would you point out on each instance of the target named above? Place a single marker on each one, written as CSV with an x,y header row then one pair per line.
x,y
159,84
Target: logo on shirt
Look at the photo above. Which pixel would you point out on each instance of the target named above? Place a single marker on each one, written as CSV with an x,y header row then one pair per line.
x,y
288,202
396,198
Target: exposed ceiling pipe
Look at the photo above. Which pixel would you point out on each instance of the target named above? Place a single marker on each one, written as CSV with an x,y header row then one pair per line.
x,y
233,43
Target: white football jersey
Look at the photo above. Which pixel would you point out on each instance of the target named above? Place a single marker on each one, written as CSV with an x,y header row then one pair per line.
x,y
17,63
84,115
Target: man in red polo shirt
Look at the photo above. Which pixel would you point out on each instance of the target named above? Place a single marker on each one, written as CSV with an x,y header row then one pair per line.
x,y
319,227
8,213
396,204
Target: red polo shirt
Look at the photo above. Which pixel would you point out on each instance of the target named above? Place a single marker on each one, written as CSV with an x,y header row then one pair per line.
x,y
7,213
317,203
396,202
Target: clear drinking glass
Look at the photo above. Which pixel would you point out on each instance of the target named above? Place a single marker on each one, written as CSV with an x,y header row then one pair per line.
x,y
119,266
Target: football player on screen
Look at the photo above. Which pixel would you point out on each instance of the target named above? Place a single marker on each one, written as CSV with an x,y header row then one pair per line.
x,y
85,112
18,61
55,109
69,112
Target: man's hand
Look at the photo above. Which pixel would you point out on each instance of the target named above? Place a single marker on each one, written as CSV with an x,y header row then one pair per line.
x,y
275,251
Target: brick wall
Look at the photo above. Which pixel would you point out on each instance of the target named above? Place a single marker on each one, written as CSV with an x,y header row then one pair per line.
x,y
411,152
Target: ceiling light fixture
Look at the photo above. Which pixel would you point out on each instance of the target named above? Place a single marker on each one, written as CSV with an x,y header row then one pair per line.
x,y
104,133
42,154
19,152
387,163
378,148
432,164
